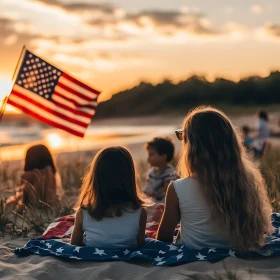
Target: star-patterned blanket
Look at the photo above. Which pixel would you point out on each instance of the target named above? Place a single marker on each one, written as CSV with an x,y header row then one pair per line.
x,y
157,252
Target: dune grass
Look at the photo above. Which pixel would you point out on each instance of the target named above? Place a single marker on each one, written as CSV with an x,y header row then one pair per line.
x,y
32,220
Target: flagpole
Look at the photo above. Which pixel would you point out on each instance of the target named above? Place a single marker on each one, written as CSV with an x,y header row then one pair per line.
x,y
20,57
5,100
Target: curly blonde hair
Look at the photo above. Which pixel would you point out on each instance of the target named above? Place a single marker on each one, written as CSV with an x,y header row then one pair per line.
x,y
232,184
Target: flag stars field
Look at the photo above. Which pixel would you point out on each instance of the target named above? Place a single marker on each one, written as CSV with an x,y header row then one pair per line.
x,y
52,96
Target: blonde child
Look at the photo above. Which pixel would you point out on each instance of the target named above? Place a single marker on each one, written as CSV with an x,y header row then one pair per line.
x,y
110,211
221,200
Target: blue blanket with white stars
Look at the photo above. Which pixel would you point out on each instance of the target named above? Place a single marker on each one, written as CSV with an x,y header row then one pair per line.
x,y
157,252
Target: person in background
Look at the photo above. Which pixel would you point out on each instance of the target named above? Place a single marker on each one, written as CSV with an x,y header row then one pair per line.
x,y
221,199
247,140
160,154
263,130
40,182
261,141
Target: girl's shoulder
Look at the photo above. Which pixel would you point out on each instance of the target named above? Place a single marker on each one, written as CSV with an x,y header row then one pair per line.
x,y
185,182
38,172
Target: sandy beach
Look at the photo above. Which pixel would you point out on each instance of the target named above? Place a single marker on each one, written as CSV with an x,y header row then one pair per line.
x,y
38,267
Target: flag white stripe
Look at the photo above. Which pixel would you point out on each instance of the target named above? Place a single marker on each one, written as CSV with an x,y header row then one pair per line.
x,y
50,105
76,87
71,105
72,96
47,115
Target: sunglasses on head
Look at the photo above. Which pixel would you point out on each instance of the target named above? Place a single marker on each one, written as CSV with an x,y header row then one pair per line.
x,y
179,134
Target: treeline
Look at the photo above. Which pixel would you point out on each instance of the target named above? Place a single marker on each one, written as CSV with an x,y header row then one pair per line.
x,y
167,97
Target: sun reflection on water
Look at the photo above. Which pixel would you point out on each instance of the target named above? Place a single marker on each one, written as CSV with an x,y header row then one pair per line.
x,y
54,140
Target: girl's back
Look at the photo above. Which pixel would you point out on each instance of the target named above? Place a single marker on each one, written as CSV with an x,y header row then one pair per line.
x,y
114,215
39,184
197,227
230,201
114,232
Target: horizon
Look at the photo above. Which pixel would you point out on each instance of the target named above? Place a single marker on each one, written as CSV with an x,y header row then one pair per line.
x,y
114,46
11,110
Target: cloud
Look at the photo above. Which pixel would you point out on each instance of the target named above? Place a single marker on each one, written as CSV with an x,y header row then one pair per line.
x,y
110,39
78,7
273,30
10,40
257,9
157,21
12,29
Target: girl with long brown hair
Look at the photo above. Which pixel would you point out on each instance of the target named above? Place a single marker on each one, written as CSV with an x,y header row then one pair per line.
x,y
221,199
40,182
110,208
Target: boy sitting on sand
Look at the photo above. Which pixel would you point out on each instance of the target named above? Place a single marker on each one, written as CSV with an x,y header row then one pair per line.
x,y
160,153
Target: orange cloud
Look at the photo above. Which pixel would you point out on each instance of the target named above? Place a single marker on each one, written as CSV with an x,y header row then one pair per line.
x,y
78,7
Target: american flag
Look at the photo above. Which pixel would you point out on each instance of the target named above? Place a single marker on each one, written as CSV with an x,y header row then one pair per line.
x,y
52,96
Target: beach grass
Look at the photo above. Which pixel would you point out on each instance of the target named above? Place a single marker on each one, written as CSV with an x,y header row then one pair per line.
x,y
71,176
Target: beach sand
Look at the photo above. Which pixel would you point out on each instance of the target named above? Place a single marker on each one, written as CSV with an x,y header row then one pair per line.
x,y
38,267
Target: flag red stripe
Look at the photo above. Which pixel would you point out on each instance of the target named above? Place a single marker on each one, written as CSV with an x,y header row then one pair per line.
x,y
80,113
73,80
52,123
54,112
75,102
74,92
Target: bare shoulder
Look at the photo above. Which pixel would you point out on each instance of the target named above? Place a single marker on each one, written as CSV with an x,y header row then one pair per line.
x,y
143,213
171,192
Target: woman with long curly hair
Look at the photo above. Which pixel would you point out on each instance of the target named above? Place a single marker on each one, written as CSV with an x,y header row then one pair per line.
x,y
221,198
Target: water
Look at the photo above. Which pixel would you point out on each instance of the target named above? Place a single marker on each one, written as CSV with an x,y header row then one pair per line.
x,y
16,139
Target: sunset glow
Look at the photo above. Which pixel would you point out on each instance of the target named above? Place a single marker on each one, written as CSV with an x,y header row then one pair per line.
x,y
5,89
54,140
115,46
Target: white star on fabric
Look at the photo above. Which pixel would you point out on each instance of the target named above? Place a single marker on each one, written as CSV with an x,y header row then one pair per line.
x,y
267,253
200,257
138,252
48,245
179,256
42,241
161,263
155,240
115,257
172,247
126,252
180,250
59,250
99,252
232,253
158,259
77,249
212,250
37,252
161,252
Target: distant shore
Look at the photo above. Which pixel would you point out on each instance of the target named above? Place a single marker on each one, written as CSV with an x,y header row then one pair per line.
x,y
134,132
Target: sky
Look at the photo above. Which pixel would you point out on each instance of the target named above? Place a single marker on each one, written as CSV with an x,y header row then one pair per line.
x,y
113,45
